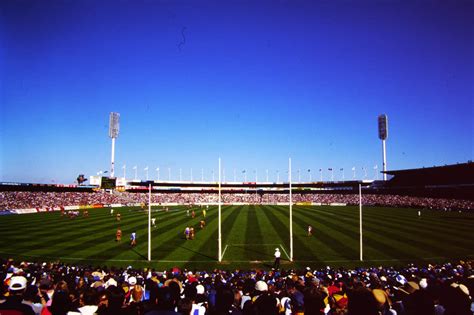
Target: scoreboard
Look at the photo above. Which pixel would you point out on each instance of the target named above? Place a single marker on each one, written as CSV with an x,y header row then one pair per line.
x,y
108,182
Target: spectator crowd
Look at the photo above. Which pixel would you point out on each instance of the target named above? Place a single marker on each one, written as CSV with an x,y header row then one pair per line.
x,y
59,288
10,200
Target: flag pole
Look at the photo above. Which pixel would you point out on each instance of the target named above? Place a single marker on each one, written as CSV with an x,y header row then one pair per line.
x,y
149,221
291,211
360,221
220,218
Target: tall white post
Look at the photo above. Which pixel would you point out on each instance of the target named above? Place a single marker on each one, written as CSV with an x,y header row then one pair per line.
x,y
220,218
291,210
149,221
112,160
360,222
384,160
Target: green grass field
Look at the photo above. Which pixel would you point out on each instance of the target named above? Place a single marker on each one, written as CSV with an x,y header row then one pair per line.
x,y
250,234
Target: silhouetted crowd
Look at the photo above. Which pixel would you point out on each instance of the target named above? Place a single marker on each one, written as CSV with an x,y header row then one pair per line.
x,y
59,288
26,200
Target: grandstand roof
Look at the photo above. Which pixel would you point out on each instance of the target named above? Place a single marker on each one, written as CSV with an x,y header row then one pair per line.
x,y
455,174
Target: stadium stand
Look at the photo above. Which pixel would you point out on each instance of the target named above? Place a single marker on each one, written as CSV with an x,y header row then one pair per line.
x,y
64,288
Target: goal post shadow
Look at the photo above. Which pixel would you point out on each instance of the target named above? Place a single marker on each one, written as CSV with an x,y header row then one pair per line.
x,y
254,252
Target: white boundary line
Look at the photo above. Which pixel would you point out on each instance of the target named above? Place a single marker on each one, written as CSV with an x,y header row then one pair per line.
x,y
223,253
253,244
231,261
284,251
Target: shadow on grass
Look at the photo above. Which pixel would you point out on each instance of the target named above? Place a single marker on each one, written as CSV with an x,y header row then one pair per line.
x,y
196,253
140,255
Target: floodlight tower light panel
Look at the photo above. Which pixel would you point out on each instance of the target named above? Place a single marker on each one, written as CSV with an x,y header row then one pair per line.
x,y
114,125
383,127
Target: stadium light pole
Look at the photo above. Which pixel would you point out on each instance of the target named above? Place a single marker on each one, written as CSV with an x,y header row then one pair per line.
x,y
383,134
291,210
149,221
360,222
220,217
113,133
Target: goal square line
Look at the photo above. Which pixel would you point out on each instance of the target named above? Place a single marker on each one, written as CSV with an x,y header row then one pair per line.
x,y
253,245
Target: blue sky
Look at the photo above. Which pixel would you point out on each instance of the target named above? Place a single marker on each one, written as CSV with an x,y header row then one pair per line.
x,y
252,82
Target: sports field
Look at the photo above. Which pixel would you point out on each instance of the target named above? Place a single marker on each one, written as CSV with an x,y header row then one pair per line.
x,y
250,235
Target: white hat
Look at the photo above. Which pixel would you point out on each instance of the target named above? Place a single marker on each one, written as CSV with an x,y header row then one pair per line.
x,y
132,281
110,282
423,283
200,289
261,286
17,283
277,249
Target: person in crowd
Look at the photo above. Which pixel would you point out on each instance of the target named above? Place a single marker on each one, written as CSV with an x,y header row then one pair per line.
x,y
14,300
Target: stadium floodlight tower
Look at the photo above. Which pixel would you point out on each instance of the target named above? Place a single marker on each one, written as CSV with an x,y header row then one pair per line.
x,y
383,133
113,133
